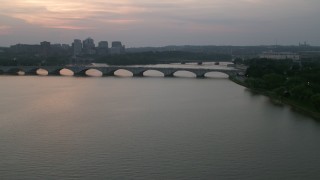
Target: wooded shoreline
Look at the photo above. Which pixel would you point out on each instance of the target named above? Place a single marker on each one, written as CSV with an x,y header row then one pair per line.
x,y
280,101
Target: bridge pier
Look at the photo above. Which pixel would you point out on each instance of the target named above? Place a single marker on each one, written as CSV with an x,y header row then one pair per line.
x,y
200,76
54,73
136,72
14,71
199,73
108,74
169,75
107,71
137,75
79,74
168,72
29,73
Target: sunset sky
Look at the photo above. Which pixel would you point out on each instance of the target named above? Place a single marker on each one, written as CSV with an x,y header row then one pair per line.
x,y
163,22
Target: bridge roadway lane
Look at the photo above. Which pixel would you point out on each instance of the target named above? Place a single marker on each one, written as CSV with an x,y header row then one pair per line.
x,y
109,70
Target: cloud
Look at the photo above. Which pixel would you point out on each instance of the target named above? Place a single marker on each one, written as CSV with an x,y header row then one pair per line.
x,y
72,13
61,13
178,19
53,13
5,30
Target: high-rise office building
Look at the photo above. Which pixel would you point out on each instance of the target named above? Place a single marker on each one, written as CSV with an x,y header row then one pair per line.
x,y
88,43
103,47
89,46
77,47
116,44
117,48
45,48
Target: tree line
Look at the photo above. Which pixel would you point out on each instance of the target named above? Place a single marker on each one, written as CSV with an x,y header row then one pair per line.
x,y
297,82
161,57
8,58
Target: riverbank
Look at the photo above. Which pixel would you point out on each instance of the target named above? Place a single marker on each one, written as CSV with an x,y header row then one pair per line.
x,y
280,100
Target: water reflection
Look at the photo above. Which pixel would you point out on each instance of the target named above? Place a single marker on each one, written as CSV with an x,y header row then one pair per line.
x,y
149,128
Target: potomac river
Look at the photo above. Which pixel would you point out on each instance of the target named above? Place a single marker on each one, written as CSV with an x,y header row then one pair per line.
x,y
54,127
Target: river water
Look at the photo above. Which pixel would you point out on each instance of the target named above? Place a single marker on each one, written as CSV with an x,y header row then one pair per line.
x,y
149,128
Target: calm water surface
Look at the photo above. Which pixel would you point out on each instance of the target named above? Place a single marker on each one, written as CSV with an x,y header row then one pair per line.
x,y
149,128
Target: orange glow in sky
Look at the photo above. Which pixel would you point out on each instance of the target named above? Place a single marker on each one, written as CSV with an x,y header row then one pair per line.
x,y
61,13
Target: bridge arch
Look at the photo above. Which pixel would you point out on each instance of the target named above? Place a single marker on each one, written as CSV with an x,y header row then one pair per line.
x,y
41,72
216,74
65,72
122,72
35,71
16,71
91,72
184,73
29,70
153,73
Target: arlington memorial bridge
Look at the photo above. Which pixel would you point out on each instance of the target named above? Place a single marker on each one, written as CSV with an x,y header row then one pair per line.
x,y
110,70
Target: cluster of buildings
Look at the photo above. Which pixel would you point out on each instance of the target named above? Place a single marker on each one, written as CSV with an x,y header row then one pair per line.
x,y
78,49
295,56
280,55
300,56
88,47
44,48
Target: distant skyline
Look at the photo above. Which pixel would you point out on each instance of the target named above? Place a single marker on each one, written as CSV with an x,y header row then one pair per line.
x,y
140,23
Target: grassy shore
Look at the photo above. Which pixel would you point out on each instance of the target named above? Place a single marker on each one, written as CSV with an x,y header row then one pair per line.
x,y
296,106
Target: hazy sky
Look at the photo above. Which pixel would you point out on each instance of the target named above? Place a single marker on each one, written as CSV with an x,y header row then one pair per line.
x,y
161,22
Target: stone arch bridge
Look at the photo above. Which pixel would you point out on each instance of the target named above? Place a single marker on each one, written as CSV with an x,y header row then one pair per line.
x,y
110,70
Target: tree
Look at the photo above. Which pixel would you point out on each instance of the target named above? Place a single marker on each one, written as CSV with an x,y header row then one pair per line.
x,y
315,99
301,92
238,61
273,80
